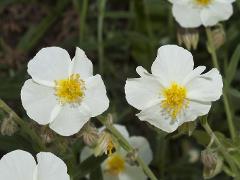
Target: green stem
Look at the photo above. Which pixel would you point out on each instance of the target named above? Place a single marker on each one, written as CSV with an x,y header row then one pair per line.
x,y
102,4
126,145
24,126
83,20
212,51
222,149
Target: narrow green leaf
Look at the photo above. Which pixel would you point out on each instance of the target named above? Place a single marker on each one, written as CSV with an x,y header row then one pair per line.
x,y
232,67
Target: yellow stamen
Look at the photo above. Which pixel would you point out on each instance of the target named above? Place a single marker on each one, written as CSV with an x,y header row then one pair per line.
x,y
115,164
70,90
110,148
175,99
203,2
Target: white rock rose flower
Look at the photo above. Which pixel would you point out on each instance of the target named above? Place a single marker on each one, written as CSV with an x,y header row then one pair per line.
x,y
116,165
175,92
21,165
194,13
63,92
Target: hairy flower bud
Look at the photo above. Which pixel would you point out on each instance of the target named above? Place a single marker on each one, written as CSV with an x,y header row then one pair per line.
x,y
89,133
219,36
212,163
8,126
188,37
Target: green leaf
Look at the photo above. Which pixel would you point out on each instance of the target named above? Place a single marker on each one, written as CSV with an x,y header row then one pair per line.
x,y
96,174
88,165
231,70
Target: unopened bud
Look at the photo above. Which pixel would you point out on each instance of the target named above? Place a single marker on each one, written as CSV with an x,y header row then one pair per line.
x,y
89,133
188,37
131,157
8,126
219,36
212,163
106,144
47,135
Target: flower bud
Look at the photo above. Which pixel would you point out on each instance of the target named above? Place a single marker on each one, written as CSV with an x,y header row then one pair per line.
x,y
219,36
212,163
8,126
47,135
89,133
188,37
131,157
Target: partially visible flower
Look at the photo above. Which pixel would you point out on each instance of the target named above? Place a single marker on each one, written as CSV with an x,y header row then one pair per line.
x,y
175,92
194,13
117,166
188,37
105,144
8,126
63,92
21,165
212,163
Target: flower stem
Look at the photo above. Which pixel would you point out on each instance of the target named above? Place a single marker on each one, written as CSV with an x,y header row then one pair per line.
x,y
212,51
126,145
102,4
24,126
222,149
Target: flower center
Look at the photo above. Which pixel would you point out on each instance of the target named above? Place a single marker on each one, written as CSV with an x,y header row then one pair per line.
x,y
175,99
70,90
203,2
115,164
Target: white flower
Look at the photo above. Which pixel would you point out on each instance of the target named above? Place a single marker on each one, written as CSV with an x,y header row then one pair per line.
x,y
194,13
116,165
175,92
63,93
21,165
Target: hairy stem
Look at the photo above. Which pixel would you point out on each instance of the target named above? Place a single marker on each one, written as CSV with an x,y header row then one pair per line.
x,y
24,126
212,51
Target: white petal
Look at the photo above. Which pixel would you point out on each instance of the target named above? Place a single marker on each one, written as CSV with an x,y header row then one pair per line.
x,y
86,153
143,147
159,118
70,120
108,176
140,92
123,130
17,165
132,173
50,167
186,15
81,64
207,87
95,95
195,73
38,101
216,12
50,64
194,110
173,64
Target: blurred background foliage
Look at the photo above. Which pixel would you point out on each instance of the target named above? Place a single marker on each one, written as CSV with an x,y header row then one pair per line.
x,y
117,35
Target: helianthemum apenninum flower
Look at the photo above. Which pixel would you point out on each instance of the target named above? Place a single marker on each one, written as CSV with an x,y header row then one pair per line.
x,y
63,92
175,92
116,165
194,13
21,165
